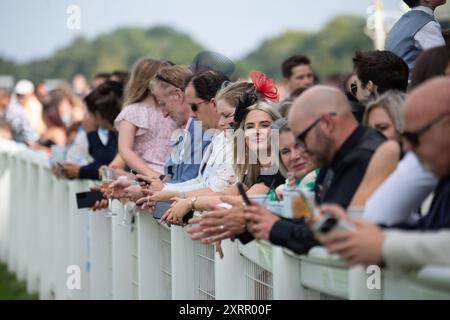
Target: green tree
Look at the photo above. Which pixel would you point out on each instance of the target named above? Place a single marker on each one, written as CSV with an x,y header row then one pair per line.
x,y
330,49
108,52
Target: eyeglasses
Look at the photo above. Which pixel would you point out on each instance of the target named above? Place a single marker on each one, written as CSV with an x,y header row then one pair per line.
x,y
194,106
413,137
354,88
302,136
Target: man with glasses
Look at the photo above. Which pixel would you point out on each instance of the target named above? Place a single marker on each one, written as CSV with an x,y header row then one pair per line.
x,y
322,120
427,134
216,170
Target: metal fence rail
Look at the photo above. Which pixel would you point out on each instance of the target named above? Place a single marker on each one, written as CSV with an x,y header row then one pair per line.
x,y
43,237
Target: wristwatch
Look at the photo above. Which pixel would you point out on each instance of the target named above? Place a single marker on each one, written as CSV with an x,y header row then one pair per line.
x,y
193,200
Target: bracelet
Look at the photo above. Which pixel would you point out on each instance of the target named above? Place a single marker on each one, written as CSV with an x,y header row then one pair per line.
x,y
193,200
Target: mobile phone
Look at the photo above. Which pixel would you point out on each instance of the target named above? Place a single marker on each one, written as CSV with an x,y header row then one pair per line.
x,y
330,222
142,182
160,208
88,199
244,196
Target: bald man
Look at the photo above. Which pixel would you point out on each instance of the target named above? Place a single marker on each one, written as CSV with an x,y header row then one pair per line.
x,y
428,135
321,119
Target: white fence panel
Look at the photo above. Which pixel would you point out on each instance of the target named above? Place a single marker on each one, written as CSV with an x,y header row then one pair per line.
x,y
42,233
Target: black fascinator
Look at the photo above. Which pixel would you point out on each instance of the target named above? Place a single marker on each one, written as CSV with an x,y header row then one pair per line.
x,y
247,99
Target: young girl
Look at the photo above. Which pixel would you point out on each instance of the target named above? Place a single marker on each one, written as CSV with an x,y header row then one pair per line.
x,y
144,132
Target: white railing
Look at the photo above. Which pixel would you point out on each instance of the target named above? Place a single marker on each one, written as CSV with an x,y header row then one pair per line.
x,y
42,234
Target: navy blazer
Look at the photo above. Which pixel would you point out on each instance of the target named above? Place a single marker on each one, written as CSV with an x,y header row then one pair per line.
x,y
102,154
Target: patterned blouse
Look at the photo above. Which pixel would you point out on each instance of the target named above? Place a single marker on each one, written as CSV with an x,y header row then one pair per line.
x,y
152,141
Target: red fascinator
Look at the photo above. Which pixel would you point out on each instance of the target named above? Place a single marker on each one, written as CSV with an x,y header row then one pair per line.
x,y
264,86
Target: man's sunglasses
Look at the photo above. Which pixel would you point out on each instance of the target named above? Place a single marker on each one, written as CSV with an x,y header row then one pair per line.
x,y
354,89
413,137
302,136
194,106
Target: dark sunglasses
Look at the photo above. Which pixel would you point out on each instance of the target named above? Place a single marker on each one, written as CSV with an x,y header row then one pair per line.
x,y
302,136
413,137
354,89
194,106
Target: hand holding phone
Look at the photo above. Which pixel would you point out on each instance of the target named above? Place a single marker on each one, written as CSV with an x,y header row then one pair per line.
x,y
244,196
88,199
330,222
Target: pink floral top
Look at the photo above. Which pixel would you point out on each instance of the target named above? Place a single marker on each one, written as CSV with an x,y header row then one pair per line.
x,y
152,141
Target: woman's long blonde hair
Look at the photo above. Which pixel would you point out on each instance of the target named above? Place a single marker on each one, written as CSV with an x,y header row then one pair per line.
x,y
144,70
245,171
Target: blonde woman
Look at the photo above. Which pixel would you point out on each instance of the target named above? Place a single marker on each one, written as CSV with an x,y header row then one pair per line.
x,y
383,114
257,163
144,131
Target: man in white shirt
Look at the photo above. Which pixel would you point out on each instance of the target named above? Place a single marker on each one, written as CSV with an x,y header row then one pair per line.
x,y
416,31
390,204
430,35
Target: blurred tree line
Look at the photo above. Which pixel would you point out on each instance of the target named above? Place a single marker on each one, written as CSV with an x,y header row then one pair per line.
x,y
330,49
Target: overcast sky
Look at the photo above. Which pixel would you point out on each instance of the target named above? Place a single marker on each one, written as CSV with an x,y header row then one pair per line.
x,y
34,29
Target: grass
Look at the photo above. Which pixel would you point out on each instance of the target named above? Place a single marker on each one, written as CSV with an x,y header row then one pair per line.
x,y
11,288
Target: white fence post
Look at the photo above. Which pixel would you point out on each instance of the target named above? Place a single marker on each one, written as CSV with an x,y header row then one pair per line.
x,y
78,243
358,286
153,282
32,235
230,276
286,276
183,272
61,238
101,275
5,205
124,257
44,223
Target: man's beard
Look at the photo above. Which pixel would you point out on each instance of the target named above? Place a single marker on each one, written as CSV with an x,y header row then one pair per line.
x,y
321,156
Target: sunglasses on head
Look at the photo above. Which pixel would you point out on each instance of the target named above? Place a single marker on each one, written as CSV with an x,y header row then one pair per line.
x,y
164,79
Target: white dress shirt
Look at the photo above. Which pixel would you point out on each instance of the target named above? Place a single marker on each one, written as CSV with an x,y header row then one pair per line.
x,y
216,168
401,194
430,35
413,250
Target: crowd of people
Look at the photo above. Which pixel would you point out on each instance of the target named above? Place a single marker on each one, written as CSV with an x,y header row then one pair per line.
x,y
377,141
